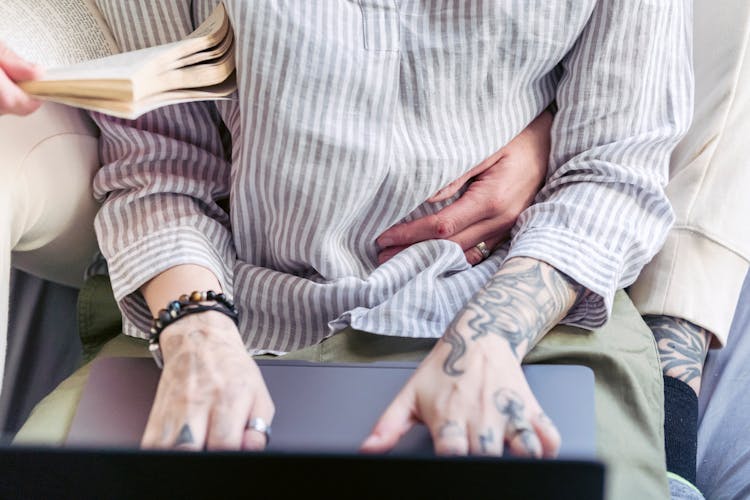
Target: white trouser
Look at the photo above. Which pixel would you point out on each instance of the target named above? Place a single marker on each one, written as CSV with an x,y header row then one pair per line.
x,y
698,274
47,162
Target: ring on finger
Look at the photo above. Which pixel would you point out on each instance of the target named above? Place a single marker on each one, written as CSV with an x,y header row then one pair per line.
x,y
483,249
258,424
518,428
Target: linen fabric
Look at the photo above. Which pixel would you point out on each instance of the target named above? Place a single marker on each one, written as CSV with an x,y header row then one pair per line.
x,y
350,114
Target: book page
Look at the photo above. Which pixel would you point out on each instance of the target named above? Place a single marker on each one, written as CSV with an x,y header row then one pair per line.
x,y
216,22
132,110
122,66
132,75
55,32
148,62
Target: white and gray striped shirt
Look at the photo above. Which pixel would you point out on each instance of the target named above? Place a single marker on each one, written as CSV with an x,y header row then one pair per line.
x,y
350,114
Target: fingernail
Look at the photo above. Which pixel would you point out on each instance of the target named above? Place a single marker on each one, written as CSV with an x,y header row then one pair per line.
x,y
385,242
372,440
36,68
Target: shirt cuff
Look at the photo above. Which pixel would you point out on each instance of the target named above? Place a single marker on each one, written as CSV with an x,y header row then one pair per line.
x,y
693,278
584,261
131,268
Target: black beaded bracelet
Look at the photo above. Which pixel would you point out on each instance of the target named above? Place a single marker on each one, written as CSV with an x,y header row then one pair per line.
x,y
185,306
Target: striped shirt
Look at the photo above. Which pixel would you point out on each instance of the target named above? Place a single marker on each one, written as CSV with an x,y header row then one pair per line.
x,y
350,114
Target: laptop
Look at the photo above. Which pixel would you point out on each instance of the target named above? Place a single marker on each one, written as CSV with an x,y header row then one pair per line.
x,y
320,407
322,414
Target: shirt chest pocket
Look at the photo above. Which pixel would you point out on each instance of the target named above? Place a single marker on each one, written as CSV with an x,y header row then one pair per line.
x,y
380,25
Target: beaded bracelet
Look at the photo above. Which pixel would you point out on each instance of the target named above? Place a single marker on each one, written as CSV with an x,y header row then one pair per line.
x,y
185,306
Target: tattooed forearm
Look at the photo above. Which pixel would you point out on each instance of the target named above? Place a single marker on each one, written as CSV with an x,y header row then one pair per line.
x,y
682,348
521,303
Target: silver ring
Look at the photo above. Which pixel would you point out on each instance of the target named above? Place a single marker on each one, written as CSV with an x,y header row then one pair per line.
x,y
516,429
258,424
482,247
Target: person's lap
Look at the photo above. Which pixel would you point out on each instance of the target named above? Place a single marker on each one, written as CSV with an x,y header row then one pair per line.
x,y
622,354
630,431
46,204
49,160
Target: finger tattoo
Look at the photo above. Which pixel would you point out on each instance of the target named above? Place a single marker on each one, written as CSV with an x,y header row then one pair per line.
x,y
522,430
528,440
486,439
509,403
185,436
451,429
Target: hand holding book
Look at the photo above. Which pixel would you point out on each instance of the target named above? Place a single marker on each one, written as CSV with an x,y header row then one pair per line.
x,y
126,85
12,69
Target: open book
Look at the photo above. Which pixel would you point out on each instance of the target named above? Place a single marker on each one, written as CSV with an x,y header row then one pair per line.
x,y
128,84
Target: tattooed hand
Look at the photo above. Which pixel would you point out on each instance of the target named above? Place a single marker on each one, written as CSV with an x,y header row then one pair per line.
x,y
470,390
209,389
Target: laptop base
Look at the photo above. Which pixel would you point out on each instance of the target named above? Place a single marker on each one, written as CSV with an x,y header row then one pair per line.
x,y
28,472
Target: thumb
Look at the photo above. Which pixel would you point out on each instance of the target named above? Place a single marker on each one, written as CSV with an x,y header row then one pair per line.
x,y
396,421
451,188
16,68
454,186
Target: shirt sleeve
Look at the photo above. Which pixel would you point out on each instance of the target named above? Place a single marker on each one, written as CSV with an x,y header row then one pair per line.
x,y
625,98
162,177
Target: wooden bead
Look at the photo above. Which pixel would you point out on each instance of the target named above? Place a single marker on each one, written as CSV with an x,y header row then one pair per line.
x,y
164,317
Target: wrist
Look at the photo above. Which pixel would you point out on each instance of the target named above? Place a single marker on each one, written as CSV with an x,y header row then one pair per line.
x,y
197,331
212,323
501,344
519,305
197,304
